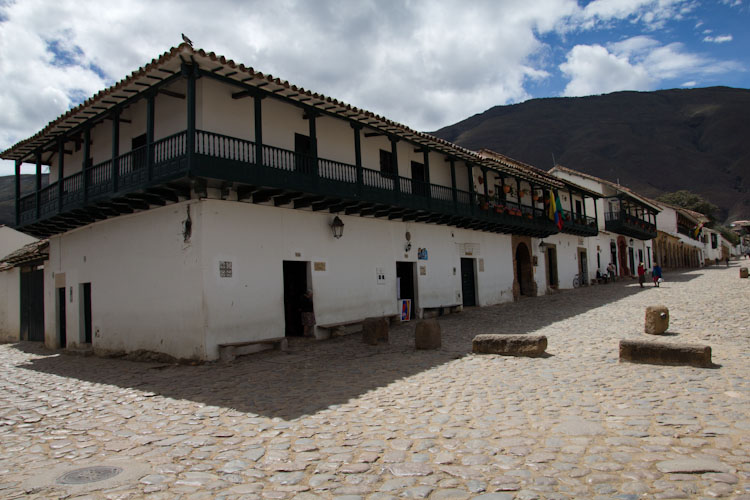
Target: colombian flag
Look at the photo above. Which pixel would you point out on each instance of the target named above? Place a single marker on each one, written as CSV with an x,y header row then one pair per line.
x,y
555,212
697,230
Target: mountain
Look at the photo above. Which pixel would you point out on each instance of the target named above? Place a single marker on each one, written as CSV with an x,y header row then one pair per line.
x,y
653,142
8,195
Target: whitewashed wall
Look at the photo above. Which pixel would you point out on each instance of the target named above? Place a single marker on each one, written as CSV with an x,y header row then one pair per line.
x,y
257,239
145,283
10,305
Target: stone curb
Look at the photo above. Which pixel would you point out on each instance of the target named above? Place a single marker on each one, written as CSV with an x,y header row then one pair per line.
x,y
662,353
510,345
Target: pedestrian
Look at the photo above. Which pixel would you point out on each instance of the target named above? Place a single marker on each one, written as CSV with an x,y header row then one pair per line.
x,y
611,270
641,274
656,274
727,259
308,313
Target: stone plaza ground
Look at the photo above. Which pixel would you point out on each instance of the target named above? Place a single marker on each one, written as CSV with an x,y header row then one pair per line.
x,y
341,419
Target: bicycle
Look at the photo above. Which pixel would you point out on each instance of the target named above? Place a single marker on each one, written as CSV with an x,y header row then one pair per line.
x,y
576,281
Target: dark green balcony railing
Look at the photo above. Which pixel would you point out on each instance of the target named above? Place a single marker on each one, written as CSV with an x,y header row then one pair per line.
x,y
629,225
233,159
579,224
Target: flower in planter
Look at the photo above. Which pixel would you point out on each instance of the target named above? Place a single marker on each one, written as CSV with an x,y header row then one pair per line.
x,y
506,188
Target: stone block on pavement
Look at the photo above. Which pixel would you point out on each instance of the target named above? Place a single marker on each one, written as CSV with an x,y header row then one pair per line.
x,y
510,345
663,353
743,272
374,330
657,320
427,334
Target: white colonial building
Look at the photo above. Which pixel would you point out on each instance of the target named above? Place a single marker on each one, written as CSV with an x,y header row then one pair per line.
x,y
625,232
679,242
191,204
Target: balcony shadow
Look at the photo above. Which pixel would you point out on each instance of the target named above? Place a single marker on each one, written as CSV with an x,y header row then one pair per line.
x,y
312,375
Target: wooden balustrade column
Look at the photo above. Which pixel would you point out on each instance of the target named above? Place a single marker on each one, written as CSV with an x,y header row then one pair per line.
x,y
38,184
60,173
454,193
258,117
188,70
311,117
394,157
115,149
358,155
85,163
18,191
470,174
150,103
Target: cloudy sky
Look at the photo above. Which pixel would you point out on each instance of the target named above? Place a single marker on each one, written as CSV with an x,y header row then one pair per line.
x,y
424,63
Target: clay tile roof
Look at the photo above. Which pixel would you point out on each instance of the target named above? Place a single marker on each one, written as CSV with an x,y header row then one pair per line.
x,y
34,251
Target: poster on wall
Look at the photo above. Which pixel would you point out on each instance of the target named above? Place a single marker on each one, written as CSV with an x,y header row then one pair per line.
x,y
405,306
422,253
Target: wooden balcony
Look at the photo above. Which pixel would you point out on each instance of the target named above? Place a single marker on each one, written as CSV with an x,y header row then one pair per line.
x,y
629,225
579,224
166,172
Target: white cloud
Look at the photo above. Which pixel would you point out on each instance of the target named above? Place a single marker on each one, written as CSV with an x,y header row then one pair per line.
x,y
652,13
637,63
592,69
691,83
718,39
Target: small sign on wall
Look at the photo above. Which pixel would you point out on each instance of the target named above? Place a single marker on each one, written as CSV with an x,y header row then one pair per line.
x,y
423,270
422,254
480,264
225,269
319,266
381,275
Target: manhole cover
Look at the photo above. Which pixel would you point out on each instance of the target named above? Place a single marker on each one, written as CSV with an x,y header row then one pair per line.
x,y
89,475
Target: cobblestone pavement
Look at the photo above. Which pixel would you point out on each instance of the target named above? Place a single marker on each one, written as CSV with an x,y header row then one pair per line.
x,y
340,419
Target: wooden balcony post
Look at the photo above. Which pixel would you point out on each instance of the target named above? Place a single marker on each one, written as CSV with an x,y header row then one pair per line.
x,y
358,155
454,192
115,149
470,173
258,116
60,173
150,98
311,118
189,70
394,156
486,187
85,163
18,191
38,185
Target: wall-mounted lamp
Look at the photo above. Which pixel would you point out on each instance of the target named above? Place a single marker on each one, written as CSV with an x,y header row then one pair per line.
x,y
337,227
631,242
541,244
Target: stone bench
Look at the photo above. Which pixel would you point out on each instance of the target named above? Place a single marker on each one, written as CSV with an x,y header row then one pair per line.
x,y
352,326
663,353
510,345
228,352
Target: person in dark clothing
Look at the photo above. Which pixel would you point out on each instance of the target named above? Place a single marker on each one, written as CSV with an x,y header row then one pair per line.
x,y
308,314
656,274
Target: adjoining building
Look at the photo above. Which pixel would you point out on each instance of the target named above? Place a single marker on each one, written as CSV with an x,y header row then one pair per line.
x,y
21,286
192,204
628,227
679,243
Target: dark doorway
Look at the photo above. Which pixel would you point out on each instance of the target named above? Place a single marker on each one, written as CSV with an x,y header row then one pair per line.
x,y
579,210
622,247
418,179
139,151
551,255
32,304
61,321
303,153
405,284
86,312
631,258
295,285
613,255
583,267
524,273
468,283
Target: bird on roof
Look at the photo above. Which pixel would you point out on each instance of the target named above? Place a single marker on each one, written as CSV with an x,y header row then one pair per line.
x,y
186,39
